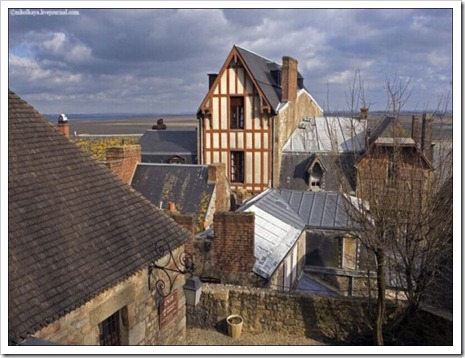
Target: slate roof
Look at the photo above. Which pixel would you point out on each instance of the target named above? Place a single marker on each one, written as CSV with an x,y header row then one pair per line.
x,y
74,229
158,145
185,185
281,216
262,69
339,169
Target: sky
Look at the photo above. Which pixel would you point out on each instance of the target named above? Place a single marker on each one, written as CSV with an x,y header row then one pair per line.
x,y
157,60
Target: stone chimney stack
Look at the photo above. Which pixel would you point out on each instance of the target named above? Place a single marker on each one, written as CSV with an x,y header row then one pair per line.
x,y
289,79
63,125
122,160
234,241
427,136
416,129
217,176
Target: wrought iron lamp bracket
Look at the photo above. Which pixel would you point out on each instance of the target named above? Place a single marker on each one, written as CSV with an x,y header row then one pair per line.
x,y
171,270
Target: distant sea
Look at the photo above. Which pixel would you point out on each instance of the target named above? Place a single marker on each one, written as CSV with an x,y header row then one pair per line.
x,y
118,116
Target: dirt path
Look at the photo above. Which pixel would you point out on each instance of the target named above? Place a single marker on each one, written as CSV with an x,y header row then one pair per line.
x,y
202,337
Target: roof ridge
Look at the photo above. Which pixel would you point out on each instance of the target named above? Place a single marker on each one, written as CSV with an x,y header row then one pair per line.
x,y
256,54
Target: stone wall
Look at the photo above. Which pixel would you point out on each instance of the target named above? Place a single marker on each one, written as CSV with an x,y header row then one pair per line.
x,y
285,123
141,317
332,320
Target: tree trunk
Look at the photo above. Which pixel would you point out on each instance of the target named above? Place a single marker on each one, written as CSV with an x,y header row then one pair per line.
x,y
381,283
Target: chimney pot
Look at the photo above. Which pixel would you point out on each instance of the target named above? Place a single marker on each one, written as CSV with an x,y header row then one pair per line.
x,y
172,207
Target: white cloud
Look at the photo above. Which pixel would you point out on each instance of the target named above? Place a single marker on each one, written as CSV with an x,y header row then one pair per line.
x,y
23,69
439,59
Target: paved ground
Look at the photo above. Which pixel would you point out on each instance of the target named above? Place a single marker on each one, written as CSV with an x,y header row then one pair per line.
x,y
202,337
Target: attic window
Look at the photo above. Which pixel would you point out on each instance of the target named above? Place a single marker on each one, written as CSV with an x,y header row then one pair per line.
x,y
315,177
236,112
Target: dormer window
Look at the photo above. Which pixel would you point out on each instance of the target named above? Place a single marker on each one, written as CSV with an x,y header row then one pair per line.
x,y
315,177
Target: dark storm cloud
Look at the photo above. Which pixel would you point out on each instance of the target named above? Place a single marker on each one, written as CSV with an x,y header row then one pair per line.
x,y
146,60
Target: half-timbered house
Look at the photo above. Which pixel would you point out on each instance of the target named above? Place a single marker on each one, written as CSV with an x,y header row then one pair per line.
x,y
251,109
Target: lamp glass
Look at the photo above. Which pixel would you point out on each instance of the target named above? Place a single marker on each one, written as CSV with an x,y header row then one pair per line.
x,y
193,290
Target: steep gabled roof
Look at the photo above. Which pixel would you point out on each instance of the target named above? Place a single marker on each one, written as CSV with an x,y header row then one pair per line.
x,y
74,229
260,69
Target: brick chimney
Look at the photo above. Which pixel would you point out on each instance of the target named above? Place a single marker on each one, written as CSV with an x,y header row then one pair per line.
x,y
187,221
234,241
416,129
122,160
427,136
289,79
63,125
217,176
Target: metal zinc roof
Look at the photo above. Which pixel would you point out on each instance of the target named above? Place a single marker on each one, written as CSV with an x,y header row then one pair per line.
x,y
282,215
327,134
273,240
318,209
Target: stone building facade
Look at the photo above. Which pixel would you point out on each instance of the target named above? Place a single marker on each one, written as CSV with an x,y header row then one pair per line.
x,y
135,308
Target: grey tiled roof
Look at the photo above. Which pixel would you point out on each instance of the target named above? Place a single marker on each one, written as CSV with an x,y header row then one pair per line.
x,y
74,229
159,145
185,185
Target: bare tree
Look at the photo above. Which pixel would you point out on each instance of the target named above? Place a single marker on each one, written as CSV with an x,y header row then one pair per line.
x,y
404,216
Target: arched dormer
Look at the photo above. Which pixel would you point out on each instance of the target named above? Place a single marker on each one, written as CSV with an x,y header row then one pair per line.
x,y
315,173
